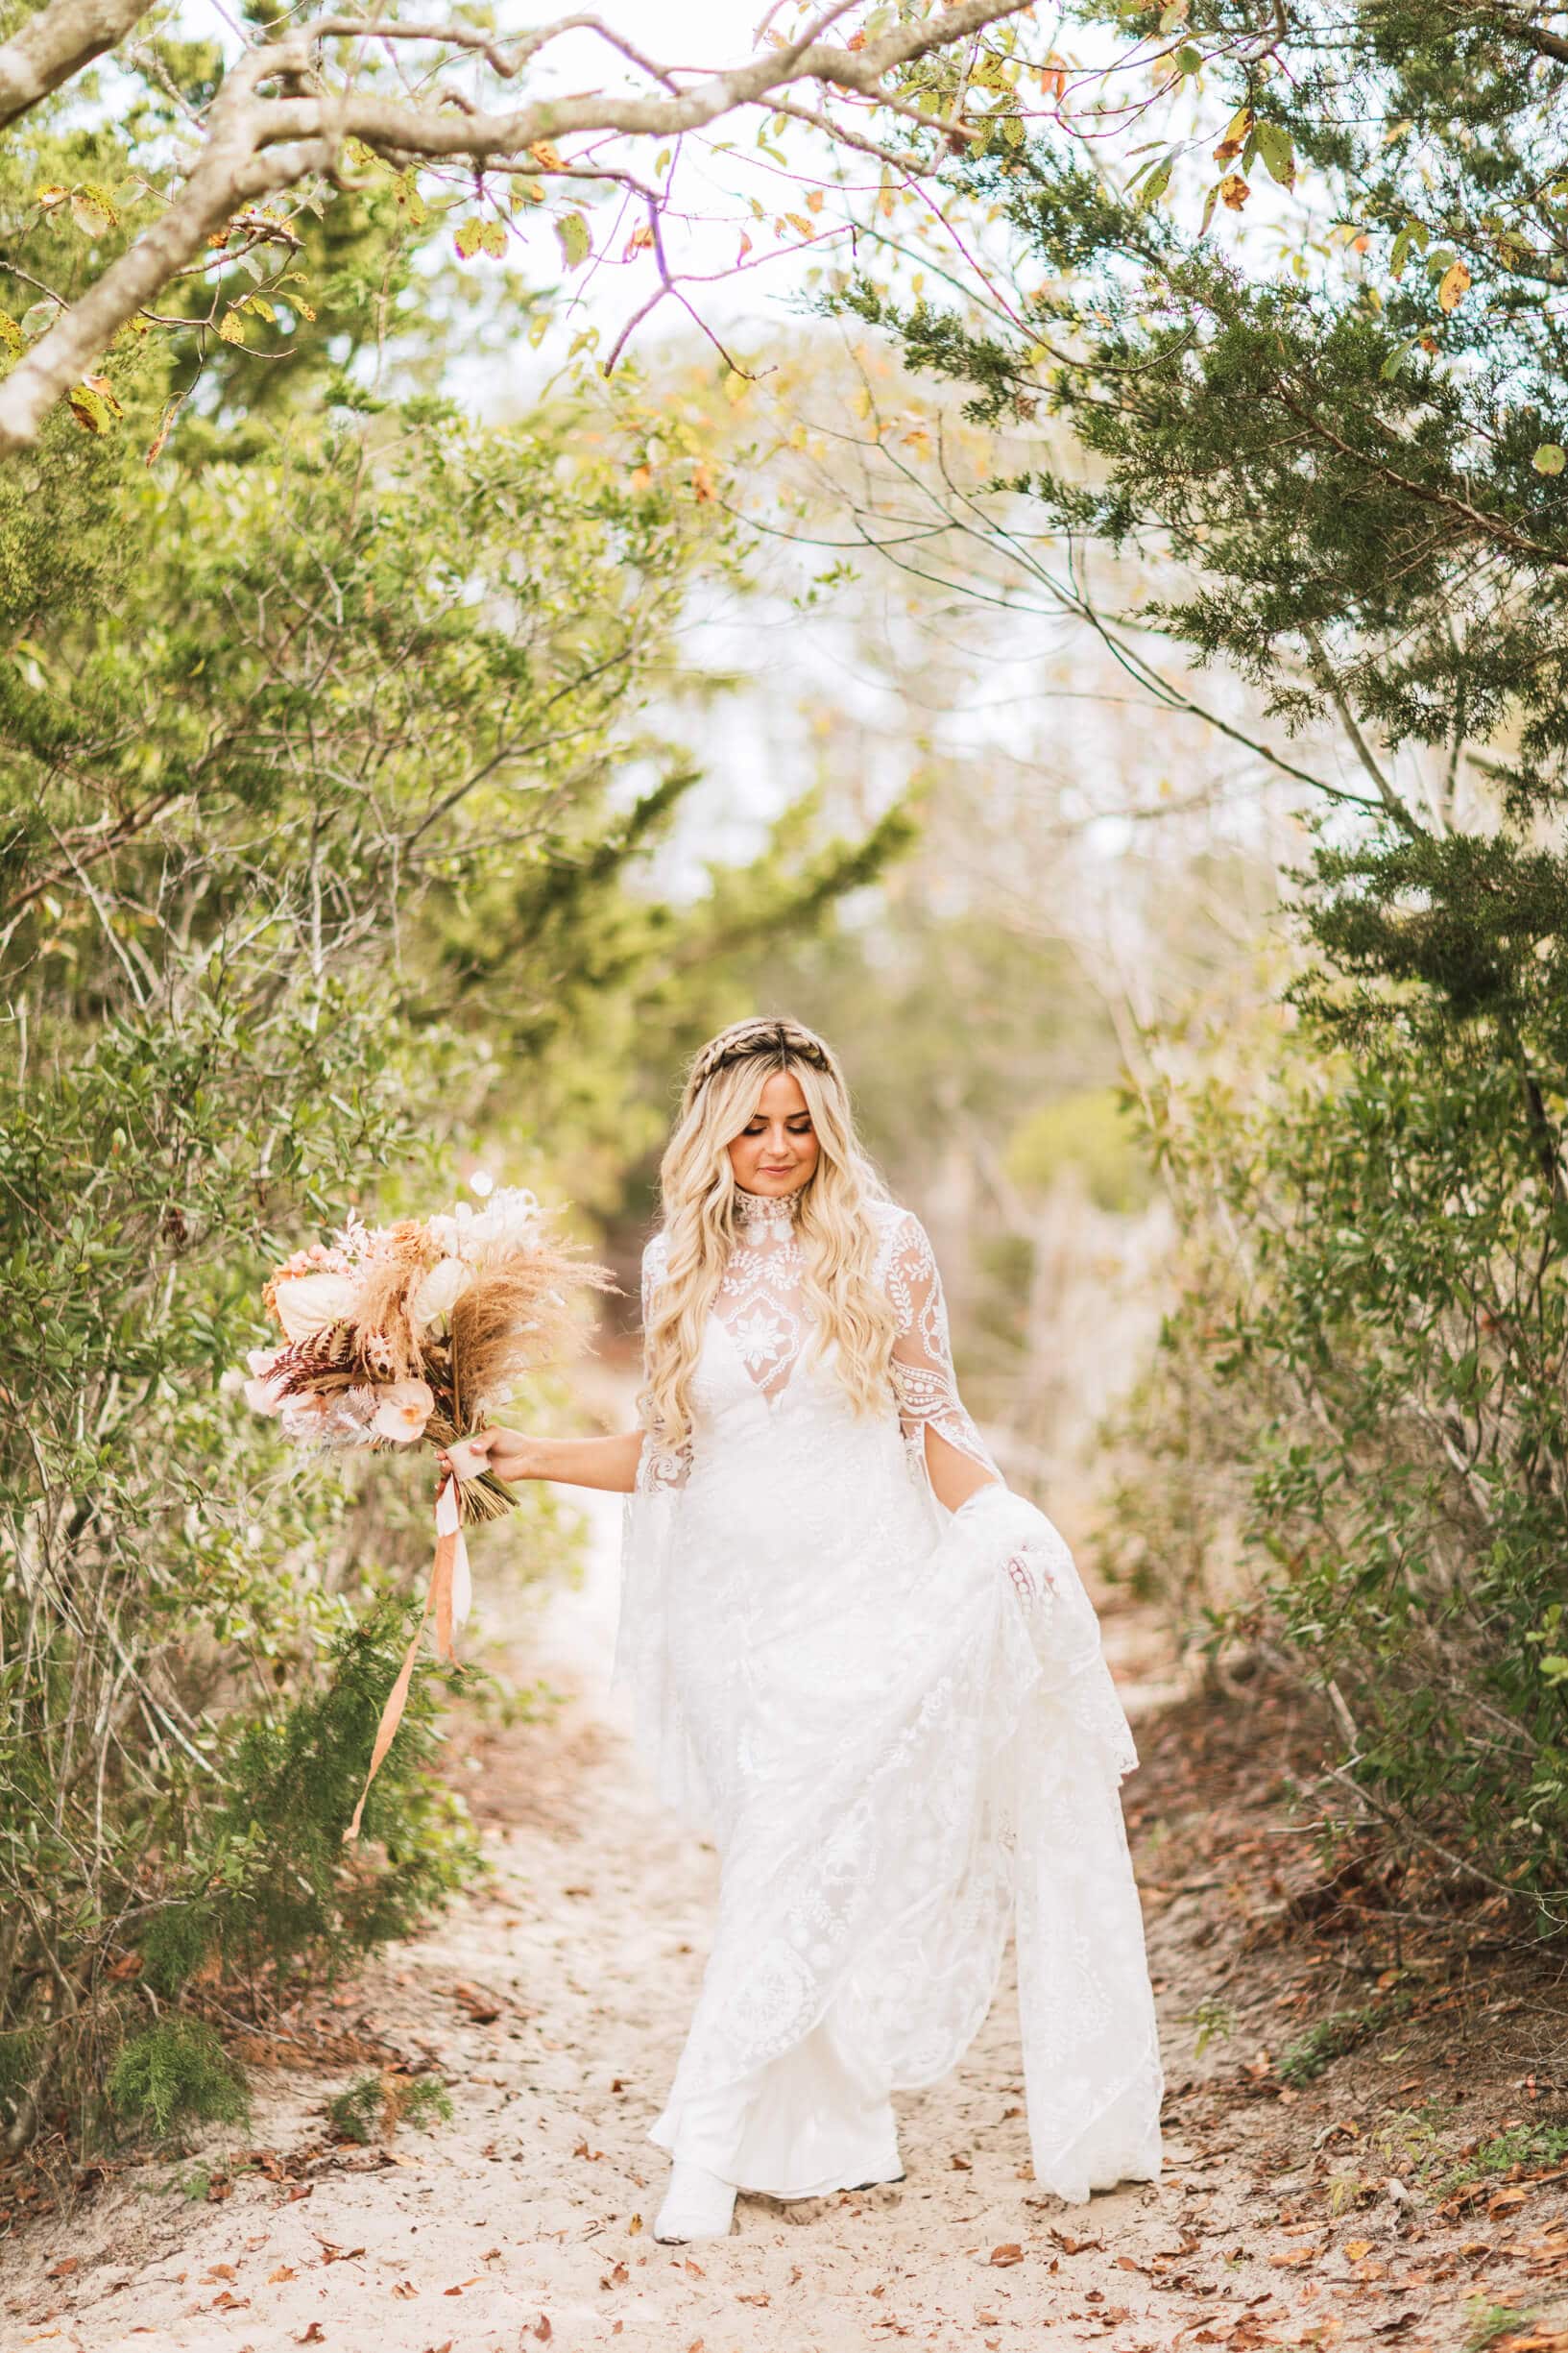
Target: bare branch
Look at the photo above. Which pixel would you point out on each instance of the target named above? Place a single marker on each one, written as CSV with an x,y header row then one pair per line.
x,y
259,144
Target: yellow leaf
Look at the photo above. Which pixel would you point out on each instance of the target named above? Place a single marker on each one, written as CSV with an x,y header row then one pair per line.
x,y
12,338
814,202
1236,136
89,409
1356,2248
734,388
547,156
861,401
492,238
51,196
800,224
230,328
1234,190
701,483
468,235
101,385
642,479
92,211
1454,288
745,249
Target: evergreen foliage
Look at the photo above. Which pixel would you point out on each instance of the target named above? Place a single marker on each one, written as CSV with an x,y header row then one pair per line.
x,y
176,2073
1345,469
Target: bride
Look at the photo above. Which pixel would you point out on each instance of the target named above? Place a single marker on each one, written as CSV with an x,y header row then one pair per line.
x,y
865,1668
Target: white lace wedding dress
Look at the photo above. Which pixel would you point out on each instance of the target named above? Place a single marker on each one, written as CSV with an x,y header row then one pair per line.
x,y
898,1728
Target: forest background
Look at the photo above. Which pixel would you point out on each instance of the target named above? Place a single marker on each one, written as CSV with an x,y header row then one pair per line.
x,y
1094,650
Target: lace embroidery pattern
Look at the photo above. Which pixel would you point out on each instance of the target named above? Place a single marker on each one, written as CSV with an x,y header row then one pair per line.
x,y
897,1725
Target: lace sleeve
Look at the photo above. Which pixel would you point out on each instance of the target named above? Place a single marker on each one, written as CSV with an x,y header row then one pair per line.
x,y
658,1466
924,1381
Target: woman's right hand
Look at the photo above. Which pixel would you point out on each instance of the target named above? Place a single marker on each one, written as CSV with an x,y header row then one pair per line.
x,y
510,1454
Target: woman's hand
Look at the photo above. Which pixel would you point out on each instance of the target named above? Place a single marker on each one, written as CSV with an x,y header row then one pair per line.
x,y
510,1454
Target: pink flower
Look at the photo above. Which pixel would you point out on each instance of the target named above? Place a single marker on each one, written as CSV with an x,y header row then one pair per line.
x,y
263,1397
403,1409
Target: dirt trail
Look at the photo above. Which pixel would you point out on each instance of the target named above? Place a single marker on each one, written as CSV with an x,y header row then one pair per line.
x,y
526,2221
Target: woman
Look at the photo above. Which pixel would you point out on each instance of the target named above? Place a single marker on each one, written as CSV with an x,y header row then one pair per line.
x,y
865,1666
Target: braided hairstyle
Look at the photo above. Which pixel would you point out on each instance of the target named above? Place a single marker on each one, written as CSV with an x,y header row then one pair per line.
x,y
835,1227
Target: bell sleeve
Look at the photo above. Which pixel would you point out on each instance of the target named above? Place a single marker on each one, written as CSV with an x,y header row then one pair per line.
x,y
924,1381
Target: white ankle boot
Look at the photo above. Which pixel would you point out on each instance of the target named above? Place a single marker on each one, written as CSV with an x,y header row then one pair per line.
x,y
697,2205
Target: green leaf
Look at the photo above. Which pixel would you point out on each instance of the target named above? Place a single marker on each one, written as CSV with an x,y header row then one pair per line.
x,y
1278,155
1550,458
576,244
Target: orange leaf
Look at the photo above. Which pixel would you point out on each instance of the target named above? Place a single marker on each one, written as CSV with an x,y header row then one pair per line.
x,y
1455,286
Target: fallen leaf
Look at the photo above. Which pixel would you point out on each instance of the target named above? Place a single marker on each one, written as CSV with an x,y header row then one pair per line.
x,y
480,2007
405,2288
1009,2252
1356,2248
285,2270
543,2329
960,2165
315,2333
220,2270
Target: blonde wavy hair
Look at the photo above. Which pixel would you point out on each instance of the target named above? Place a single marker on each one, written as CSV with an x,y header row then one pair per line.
x,y
837,1235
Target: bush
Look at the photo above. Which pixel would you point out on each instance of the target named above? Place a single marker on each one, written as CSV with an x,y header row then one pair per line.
x,y
1373,1309
377,2104
178,2072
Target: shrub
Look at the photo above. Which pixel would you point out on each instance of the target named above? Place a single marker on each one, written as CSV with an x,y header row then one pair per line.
x,y
175,2073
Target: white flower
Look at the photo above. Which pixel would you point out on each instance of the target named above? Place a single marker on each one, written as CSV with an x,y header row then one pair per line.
x,y
509,1221
441,1290
308,1303
402,1410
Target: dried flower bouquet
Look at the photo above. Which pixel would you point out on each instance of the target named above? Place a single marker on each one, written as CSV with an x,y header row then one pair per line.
x,y
416,1330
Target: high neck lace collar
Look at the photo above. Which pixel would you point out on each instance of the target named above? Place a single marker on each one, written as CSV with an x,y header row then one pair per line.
x,y
756,1212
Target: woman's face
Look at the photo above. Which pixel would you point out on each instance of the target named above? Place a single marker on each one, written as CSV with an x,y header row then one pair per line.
x,y
777,1149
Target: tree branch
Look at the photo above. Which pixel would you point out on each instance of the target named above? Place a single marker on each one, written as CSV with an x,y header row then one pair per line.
x,y
257,145
56,43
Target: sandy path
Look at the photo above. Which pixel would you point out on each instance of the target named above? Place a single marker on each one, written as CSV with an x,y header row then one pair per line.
x,y
526,2219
